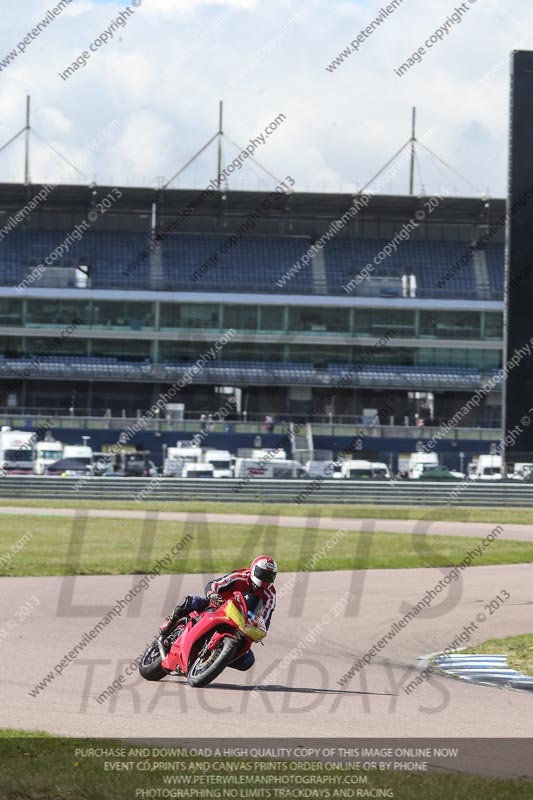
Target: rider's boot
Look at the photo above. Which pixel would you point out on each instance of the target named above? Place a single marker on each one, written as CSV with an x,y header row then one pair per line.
x,y
180,611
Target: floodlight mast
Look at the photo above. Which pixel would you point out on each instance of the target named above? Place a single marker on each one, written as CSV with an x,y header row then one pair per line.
x,y
413,153
27,143
412,143
28,131
220,135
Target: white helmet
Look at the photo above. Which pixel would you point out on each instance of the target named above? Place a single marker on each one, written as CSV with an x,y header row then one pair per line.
x,y
263,572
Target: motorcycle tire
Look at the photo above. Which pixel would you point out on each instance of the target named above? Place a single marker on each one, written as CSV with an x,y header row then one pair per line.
x,y
150,667
203,671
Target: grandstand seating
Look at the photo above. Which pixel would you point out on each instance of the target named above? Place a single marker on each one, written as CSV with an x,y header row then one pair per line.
x,y
249,371
495,254
429,261
107,254
253,263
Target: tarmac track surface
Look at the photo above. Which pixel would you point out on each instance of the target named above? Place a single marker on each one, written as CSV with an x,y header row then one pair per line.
x,y
514,532
300,697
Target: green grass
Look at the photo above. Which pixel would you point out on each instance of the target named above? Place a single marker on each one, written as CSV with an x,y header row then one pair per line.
x,y
519,516
12,733
519,651
63,546
50,769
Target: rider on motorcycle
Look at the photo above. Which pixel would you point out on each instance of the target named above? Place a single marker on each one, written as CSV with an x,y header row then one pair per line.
x,y
258,578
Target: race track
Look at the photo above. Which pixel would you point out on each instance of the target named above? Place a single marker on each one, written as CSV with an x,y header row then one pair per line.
x,y
422,527
299,699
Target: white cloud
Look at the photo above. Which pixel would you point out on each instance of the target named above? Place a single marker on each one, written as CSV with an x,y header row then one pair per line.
x,y
163,74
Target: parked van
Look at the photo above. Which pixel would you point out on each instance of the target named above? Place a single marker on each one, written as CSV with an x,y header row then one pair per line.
x,y
324,469
198,471
276,468
489,468
359,470
420,461
523,471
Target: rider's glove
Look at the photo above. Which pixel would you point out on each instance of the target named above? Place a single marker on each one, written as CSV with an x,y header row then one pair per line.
x,y
215,599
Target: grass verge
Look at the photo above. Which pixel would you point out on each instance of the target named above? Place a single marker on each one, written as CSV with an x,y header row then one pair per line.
x,y
498,516
35,769
69,546
519,651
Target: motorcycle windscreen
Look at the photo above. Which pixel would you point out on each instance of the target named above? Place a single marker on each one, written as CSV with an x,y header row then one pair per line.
x,y
255,625
254,604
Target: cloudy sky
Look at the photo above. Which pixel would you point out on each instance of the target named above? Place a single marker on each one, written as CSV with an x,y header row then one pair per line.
x,y
158,80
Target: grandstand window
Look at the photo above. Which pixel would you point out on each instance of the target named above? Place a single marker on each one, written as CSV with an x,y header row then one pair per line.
x,y
127,349
175,317
484,360
272,318
319,356
178,352
205,316
377,321
450,324
169,317
250,351
241,317
319,320
69,346
10,311
493,326
136,316
56,313
399,356
11,346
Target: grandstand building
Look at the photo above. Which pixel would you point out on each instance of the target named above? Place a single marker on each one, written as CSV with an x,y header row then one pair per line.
x,y
116,293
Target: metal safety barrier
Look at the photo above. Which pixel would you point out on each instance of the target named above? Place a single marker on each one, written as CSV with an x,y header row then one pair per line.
x,y
260,490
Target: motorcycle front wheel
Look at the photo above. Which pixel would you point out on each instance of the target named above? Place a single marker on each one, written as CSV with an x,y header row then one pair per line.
x,y
150,667
205,669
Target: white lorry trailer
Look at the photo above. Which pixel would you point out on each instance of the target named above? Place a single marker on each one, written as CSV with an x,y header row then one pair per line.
x,y
17,451
46,452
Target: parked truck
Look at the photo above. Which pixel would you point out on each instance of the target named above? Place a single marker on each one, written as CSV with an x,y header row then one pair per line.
x,y
222,462
79,452
17,451
46,452
177,458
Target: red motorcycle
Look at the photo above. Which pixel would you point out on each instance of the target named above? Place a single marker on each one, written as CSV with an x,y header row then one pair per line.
x,y
205,643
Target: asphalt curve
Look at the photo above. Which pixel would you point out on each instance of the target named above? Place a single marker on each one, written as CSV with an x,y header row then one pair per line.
x,y
298,697
419,527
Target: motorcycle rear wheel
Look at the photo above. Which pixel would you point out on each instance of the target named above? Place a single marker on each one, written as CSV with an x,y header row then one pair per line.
x,y
150,667
205,670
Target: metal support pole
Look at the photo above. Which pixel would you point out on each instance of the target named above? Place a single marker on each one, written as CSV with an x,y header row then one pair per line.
x,y
27,144
413,143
